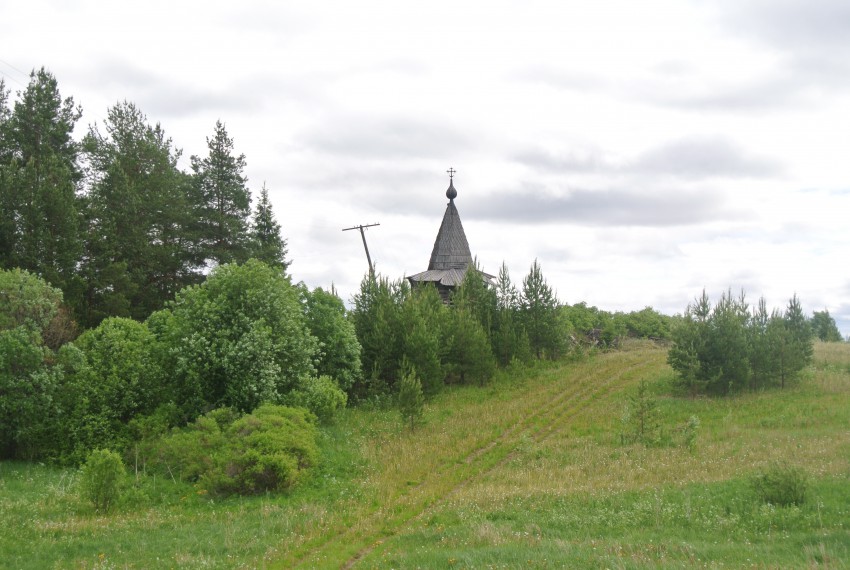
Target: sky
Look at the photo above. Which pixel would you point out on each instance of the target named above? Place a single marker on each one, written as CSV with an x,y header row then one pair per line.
x,y
642,152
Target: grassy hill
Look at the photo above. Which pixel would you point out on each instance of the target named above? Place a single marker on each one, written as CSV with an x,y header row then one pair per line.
x,y
529,471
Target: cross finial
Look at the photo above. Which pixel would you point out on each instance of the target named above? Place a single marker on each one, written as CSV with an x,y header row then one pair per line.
x,y
451,172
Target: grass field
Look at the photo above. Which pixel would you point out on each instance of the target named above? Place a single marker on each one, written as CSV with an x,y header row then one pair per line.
x,y
528,472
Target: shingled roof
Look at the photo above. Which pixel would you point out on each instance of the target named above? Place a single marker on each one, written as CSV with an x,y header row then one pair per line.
x,y
450,257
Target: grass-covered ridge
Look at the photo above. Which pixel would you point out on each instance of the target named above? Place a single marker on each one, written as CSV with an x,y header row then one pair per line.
x,y
527,471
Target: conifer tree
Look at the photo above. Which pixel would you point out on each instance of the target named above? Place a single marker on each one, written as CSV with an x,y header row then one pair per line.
x,y
139,251
761,361
39,175
469,354
267,245
223,201
423,317
539,310
800,336
411,401
508,337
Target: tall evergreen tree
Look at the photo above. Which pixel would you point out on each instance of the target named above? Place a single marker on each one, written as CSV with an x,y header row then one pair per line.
x,y
800,334
139,250
761,359
223,201
540,313
508,337
267,245
38,182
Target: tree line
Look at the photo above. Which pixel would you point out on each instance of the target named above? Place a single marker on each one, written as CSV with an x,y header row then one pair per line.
x,y
404,330
110,219
729,347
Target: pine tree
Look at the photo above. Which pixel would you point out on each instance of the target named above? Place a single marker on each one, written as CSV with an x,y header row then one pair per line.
x,y
539,310
411,401
38,182
223,201
140,250
267,245
801,348
761,360
508,338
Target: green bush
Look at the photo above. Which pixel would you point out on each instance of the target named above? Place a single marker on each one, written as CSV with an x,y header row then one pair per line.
x,y
118,380
320,395
781,485
102,478
270,449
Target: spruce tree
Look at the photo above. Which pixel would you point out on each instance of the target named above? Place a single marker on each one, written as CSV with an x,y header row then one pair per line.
x,y
267,245
223,201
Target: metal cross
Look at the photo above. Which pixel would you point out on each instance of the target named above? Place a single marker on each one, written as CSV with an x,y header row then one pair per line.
x,y
451,172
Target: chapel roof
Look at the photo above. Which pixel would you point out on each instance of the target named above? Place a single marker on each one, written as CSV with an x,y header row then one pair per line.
x,y
451,256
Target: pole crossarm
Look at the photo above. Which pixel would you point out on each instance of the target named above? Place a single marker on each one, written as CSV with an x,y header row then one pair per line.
x,y
361,227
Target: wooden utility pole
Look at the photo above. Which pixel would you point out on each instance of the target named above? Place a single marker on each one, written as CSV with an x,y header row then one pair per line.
x,y
366,247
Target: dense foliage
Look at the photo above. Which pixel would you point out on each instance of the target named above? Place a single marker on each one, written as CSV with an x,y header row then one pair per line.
x,y
728,348
824,327
270,449
239,340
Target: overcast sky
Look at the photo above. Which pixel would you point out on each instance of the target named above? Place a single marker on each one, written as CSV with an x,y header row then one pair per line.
x,y
641,151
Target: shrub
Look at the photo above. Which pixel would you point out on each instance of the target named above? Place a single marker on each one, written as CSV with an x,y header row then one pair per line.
x,y
689,433
320,395
102,478
117,380
641,421
411,402
781,485
270,449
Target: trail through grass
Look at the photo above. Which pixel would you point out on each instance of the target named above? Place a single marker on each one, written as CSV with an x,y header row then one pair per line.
x,y
526,472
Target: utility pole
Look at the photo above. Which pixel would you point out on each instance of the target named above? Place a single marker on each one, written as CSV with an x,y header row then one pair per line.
x,y
366,247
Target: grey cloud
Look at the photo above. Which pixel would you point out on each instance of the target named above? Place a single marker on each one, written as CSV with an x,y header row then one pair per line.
x,y
381,187
377,138
792,24
703,158
613,207
687,158
159,96
572,162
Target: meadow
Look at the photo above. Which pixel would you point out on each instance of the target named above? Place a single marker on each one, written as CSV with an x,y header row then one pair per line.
x,y
528,471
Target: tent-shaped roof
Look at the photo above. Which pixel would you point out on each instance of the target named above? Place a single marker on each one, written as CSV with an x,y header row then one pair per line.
x,y
450,257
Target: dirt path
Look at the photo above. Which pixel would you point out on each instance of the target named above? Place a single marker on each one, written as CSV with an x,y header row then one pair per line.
x,y
586,384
